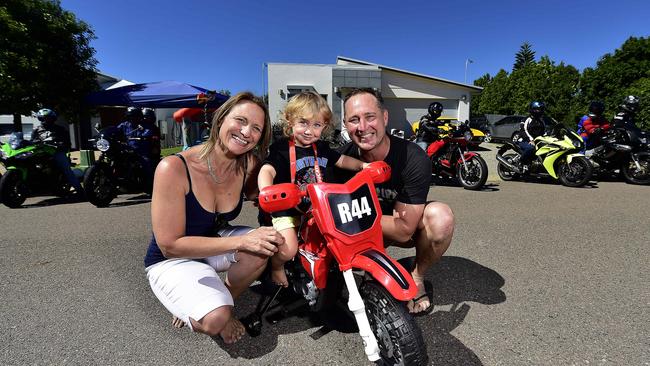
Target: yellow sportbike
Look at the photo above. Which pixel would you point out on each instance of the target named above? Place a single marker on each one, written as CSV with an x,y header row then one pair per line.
x,y
478,136
557,156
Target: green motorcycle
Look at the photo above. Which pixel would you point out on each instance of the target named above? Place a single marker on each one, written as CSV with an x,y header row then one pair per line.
x,y
30,171
557,156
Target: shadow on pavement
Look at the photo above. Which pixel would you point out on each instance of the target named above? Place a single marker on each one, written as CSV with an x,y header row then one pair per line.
x,y
53,201
453,182
454,281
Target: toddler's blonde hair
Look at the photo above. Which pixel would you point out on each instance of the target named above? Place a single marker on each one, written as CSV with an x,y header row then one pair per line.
x,y
307,104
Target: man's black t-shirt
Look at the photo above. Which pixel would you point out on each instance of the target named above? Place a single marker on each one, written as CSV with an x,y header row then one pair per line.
x,y
279,159
410,174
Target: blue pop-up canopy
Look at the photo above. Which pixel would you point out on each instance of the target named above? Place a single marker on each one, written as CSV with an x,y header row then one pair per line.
x,y
162,94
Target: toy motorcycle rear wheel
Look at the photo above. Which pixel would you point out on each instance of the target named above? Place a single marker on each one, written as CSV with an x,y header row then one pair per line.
x,y
398,335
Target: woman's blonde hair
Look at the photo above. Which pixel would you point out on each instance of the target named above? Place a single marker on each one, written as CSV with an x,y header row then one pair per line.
x,y
220,115
306,104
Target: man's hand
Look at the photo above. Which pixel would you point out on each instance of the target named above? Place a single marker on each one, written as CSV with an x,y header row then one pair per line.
x,y
264,240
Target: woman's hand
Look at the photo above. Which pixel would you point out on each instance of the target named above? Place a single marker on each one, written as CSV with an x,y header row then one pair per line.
x,y
264,240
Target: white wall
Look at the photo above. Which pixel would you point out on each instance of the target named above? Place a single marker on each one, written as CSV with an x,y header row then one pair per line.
x,y
282,75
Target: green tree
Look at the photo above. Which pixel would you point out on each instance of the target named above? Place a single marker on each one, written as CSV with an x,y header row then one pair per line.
x,y
495,97
524,57
483,81
45,59
617,75
555,85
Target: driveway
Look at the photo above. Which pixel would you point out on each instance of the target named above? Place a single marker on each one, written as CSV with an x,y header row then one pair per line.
x,y
537,274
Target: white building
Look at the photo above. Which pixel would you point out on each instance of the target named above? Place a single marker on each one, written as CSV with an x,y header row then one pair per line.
x,y
407,94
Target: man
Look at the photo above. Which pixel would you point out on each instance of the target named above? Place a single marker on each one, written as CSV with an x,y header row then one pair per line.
x,y
51,133
428,129
149,123
595,125
408,219
532,127
137,136
627,112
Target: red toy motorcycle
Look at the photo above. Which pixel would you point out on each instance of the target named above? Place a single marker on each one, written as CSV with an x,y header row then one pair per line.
x,y
340,233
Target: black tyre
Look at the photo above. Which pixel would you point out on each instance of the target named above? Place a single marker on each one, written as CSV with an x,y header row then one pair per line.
x,y
504,172
475,175
13,190
398,335
633,174
99,186
575,174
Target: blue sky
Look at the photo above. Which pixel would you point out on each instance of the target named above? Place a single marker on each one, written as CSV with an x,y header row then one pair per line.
x,y
224,45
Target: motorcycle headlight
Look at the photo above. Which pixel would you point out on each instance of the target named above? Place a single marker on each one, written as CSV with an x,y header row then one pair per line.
x,y
102,145
468,135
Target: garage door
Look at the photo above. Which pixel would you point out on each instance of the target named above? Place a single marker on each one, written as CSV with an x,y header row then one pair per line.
x,y
410,110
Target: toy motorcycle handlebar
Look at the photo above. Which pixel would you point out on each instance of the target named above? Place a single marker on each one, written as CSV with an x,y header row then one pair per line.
x,y
284,196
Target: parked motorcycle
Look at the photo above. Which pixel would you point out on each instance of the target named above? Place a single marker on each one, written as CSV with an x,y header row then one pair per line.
x,y
557,156
342,233
623,150
30,171
118,169
455,160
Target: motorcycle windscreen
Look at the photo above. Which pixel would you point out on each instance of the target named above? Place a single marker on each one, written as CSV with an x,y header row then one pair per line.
x,y
354,212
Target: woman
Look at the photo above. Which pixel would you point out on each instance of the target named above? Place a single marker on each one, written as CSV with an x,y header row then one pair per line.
x,y
195,194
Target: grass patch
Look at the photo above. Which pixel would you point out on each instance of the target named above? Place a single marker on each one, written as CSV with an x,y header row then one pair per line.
x,y
170,151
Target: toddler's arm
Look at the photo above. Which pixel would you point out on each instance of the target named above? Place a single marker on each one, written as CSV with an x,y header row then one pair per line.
x,y
350,163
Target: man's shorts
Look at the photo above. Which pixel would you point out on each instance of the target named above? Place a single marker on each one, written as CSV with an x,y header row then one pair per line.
x,y
286,222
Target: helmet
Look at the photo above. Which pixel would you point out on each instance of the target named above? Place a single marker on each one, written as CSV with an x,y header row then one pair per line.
x,y
46,115
536,108
596,108
435,109
133,112
630,104
148,115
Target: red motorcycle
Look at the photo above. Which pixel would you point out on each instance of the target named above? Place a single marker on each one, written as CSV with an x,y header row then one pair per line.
x,y
455,160
342,233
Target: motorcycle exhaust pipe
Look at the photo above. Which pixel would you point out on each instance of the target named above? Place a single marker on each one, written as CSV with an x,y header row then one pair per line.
x,y
509,165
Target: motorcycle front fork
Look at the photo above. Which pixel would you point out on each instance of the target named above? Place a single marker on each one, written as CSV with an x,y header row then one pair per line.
x,y
357,307
462,156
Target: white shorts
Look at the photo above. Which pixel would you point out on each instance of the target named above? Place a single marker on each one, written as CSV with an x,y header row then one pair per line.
x,y
189,288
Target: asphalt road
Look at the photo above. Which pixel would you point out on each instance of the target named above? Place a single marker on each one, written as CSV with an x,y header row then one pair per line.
x,y
538,274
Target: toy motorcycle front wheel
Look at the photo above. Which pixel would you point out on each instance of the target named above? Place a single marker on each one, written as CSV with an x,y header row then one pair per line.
x,y
398,335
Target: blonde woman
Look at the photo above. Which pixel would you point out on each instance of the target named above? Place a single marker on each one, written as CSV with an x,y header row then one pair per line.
x,y
195,194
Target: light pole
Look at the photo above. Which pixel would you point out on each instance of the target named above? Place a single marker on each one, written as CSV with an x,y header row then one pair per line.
x,y
467,62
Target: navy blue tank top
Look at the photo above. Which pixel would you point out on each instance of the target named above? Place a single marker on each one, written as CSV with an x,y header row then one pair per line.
x,y
198,221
